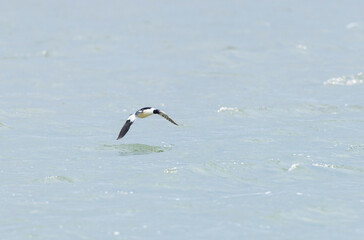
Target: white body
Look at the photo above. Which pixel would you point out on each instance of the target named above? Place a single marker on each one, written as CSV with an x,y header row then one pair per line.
x,y
146,113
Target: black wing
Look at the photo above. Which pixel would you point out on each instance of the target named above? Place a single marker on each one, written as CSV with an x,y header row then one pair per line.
x,y
125,129
163,114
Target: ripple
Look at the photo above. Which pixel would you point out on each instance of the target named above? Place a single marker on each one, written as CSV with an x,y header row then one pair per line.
x,y
4,126
135,149
57,179
356,148
259,140
318,108
343,167
346,80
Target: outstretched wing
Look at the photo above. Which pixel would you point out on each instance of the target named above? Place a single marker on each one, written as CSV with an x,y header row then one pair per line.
x,y
163,114
126,126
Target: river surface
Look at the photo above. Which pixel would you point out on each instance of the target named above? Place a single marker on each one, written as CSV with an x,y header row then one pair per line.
x,y
269,96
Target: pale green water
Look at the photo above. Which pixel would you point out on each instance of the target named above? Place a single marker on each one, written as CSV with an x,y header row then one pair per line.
x,y
269,96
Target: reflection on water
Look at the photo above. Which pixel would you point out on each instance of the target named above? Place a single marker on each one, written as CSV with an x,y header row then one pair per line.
x,y
135,149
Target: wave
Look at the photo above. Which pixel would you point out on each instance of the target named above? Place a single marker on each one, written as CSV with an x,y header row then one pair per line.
x,y
346,80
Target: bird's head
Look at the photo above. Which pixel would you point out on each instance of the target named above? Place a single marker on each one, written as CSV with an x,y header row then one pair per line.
x,y
156,111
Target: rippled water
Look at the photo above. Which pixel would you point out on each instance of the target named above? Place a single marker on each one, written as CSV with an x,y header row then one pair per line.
x,y
268,96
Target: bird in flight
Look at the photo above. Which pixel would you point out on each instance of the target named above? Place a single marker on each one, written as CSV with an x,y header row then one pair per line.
x,y
142,113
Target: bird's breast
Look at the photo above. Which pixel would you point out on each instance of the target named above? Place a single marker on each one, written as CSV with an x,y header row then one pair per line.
x,y
144,114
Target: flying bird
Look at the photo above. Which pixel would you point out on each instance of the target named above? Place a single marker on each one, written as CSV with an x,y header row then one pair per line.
x,y
142,113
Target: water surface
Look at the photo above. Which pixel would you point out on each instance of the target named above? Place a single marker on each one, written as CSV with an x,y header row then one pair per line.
x,y
269,96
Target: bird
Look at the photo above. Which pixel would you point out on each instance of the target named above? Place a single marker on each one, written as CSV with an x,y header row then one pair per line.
x,y
142,113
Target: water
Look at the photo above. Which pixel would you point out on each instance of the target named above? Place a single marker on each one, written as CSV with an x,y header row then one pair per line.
x,y
269,96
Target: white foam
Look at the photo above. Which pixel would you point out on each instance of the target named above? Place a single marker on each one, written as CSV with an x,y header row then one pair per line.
x,y
323,165
45,53
171,170
302,47
228,109
124,192
353,25
346,80
293,166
